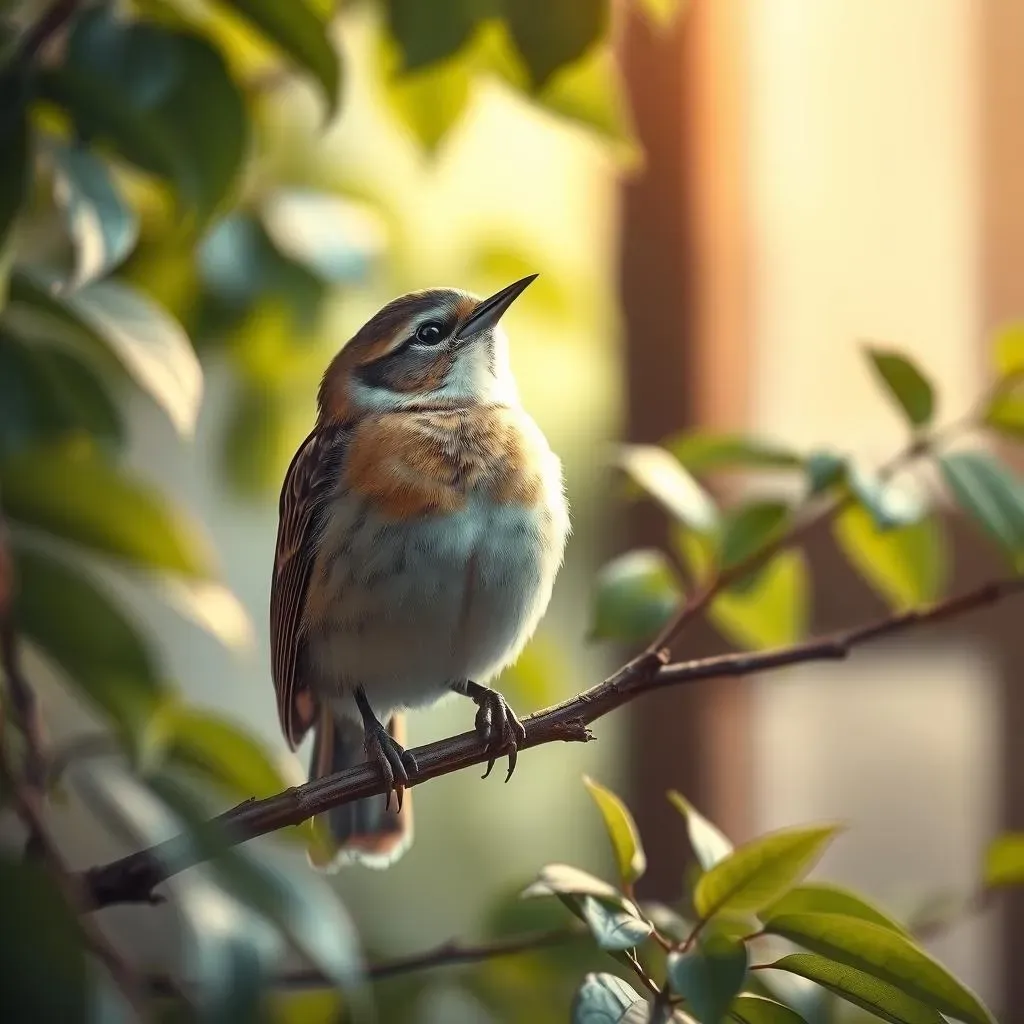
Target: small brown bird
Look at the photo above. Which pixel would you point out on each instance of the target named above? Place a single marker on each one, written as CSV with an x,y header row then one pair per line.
x,y
422,524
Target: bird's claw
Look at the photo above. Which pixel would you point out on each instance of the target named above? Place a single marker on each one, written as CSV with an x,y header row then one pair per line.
x,y
499,729
394,761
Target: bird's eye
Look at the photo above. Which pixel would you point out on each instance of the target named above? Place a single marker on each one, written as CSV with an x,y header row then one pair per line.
x,y
429,333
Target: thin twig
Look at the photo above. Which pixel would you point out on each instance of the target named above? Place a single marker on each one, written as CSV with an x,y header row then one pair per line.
x,y
448,954
40,32
133,878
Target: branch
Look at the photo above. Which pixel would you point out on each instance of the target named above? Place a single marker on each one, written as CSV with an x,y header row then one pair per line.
x,y
40,32
133,878
448,954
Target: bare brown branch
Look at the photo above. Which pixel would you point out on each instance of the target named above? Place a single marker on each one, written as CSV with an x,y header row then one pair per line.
x,y
133,878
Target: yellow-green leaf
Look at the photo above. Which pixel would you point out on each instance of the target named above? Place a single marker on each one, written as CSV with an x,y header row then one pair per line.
x,y
906,565
755,1009
1008,349
750,528
622,831
665,480
709,845
878,997
1004,860
826,898
884,954
1005,413
758,873
771,611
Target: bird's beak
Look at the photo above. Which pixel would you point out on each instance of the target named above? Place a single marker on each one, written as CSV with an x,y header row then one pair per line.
x,y
490,310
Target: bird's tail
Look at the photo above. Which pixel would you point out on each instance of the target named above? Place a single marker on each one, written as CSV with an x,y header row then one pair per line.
x,y
363,831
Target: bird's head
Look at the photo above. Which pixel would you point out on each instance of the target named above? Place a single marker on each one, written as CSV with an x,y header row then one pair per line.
x,y
437,347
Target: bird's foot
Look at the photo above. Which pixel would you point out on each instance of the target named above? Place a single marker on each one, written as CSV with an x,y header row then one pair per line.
x,y
383,750
497,726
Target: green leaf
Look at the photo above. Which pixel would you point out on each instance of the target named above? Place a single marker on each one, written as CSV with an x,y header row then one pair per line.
x,y
635,596
603,999
709,976
162,97
890,504
770,611
665,480
986,490
150,345
563,879
886,955
824,470
75,495
44,965
1008,349
758,873
754,1009
622,831
549,35
428,102
826,898
709,845
1005,412
211,606
1004,860
612,927
878,997
16,166
750,528
301,34
591,93
906,565
80,628
906,383
704,453
427,34
102,225
227,946
48,393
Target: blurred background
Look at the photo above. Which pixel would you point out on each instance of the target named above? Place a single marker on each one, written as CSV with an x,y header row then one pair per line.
x,y
763,185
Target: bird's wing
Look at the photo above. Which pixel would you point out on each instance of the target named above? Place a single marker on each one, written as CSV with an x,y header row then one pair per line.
x,y
307,486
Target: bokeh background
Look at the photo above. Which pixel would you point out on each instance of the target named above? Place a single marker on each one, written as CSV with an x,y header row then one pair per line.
x,y
782,180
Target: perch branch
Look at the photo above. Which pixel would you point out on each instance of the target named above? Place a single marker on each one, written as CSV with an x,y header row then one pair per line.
x,y
133,878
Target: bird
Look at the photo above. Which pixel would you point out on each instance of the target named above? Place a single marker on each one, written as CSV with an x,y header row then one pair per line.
x,y
421,526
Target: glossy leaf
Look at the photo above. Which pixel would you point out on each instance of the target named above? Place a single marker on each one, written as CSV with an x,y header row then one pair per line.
x,y
906,565
750,528
49,393
825,470
708,843
228,947
771,610
665,480
884,954
603,999
704,453
42,949
709,976
986,490
103,227
337,239
300,33
1008,349
77,496
550,36
826,898
890,504
884,1000
612,927
429,33
16,166
150,345
162,97
755,1009
622,831
1004,860
95,643
906,383
635,595
758,873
